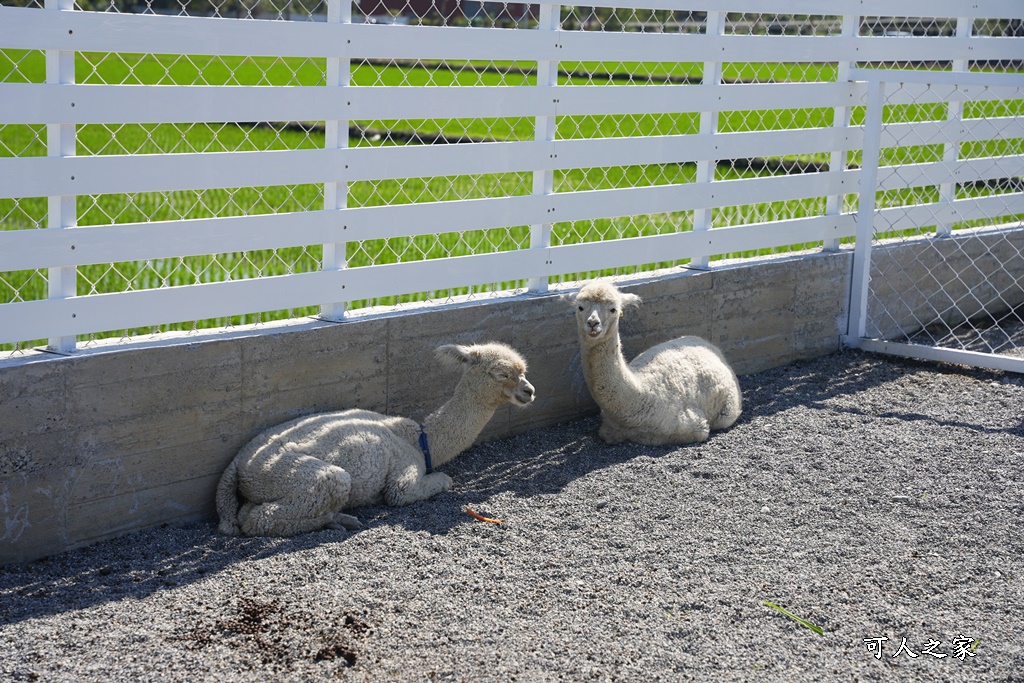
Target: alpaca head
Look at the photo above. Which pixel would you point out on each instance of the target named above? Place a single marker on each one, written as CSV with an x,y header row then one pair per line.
x,y
599,305
495,372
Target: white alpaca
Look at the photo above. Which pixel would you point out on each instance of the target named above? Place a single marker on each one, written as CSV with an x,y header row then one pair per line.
x,y
298,476
672,393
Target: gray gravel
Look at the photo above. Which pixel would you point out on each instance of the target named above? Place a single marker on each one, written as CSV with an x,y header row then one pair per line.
x,y
872,497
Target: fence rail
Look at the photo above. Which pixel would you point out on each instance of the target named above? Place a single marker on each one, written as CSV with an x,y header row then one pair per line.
x,y
959,298
156,170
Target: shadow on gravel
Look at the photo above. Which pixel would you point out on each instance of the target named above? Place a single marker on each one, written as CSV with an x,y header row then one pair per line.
x,y
545,461
133,566
780,389
537,463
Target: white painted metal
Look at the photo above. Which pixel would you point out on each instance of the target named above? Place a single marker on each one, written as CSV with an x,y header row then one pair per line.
x,y
142,33
865,217
62,106
61,209
951,149
977,359
134,242
707,167
999,210
841,122
969,209
888,8
336,137
935,173
549,22
36,103
124,310
32,249
40,176
990,85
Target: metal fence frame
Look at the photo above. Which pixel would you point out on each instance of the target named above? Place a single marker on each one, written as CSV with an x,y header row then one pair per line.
x,y
945,174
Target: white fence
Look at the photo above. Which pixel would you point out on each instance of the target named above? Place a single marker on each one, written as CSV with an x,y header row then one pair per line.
x,y
171,172
943,162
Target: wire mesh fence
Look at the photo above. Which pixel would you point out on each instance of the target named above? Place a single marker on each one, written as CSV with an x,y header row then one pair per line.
x,y
156,69
950,161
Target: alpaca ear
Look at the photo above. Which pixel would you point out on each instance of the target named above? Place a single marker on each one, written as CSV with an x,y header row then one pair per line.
x,y
631,300
453,354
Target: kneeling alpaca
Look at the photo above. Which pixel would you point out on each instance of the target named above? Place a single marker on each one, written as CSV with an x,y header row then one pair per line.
x,y
672,393
298,476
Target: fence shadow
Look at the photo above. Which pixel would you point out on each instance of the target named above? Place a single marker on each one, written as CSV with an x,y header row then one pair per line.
x,y
538,463
133,566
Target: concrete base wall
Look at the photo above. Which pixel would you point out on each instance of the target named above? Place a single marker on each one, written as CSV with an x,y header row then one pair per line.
x,y
121,438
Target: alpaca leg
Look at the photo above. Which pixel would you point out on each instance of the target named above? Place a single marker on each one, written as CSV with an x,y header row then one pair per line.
x,y
410,487
611,432
342,521
317,492
693,427
730,412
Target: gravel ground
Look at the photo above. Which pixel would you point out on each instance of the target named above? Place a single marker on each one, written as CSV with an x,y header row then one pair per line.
x,y
874,498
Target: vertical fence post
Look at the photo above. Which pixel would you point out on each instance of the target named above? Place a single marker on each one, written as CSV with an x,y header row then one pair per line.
x,y
702,218
841,119
857,324
336,137
955,111
61,211
544,180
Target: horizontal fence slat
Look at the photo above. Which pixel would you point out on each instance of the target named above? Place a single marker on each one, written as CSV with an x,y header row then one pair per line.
x,y
949,131
108,174
899,218
923,93
658,248
981,79
887,8
114,104
596,204
667,47
149,34
27,249
98,175
130,310
37,103
939,172
65,30
656,99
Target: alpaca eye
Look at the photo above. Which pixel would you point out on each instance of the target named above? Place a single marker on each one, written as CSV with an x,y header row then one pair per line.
x,y
611,310
581,308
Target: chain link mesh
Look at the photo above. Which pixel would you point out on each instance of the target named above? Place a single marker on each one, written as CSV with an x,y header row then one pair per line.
x,y
27,66
958,280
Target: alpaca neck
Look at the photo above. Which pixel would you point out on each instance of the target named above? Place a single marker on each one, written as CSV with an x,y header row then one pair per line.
x,y
453,427
612,383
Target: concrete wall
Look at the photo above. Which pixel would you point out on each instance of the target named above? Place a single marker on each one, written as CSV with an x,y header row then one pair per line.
x,y
124,437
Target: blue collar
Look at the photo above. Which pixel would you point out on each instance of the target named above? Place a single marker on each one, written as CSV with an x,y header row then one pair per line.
x,y
425,447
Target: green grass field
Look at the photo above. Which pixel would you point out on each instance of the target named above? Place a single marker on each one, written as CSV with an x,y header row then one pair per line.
x,y
30,213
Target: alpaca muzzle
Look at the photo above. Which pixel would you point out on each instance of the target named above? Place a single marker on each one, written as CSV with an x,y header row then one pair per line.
x,y
524,394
